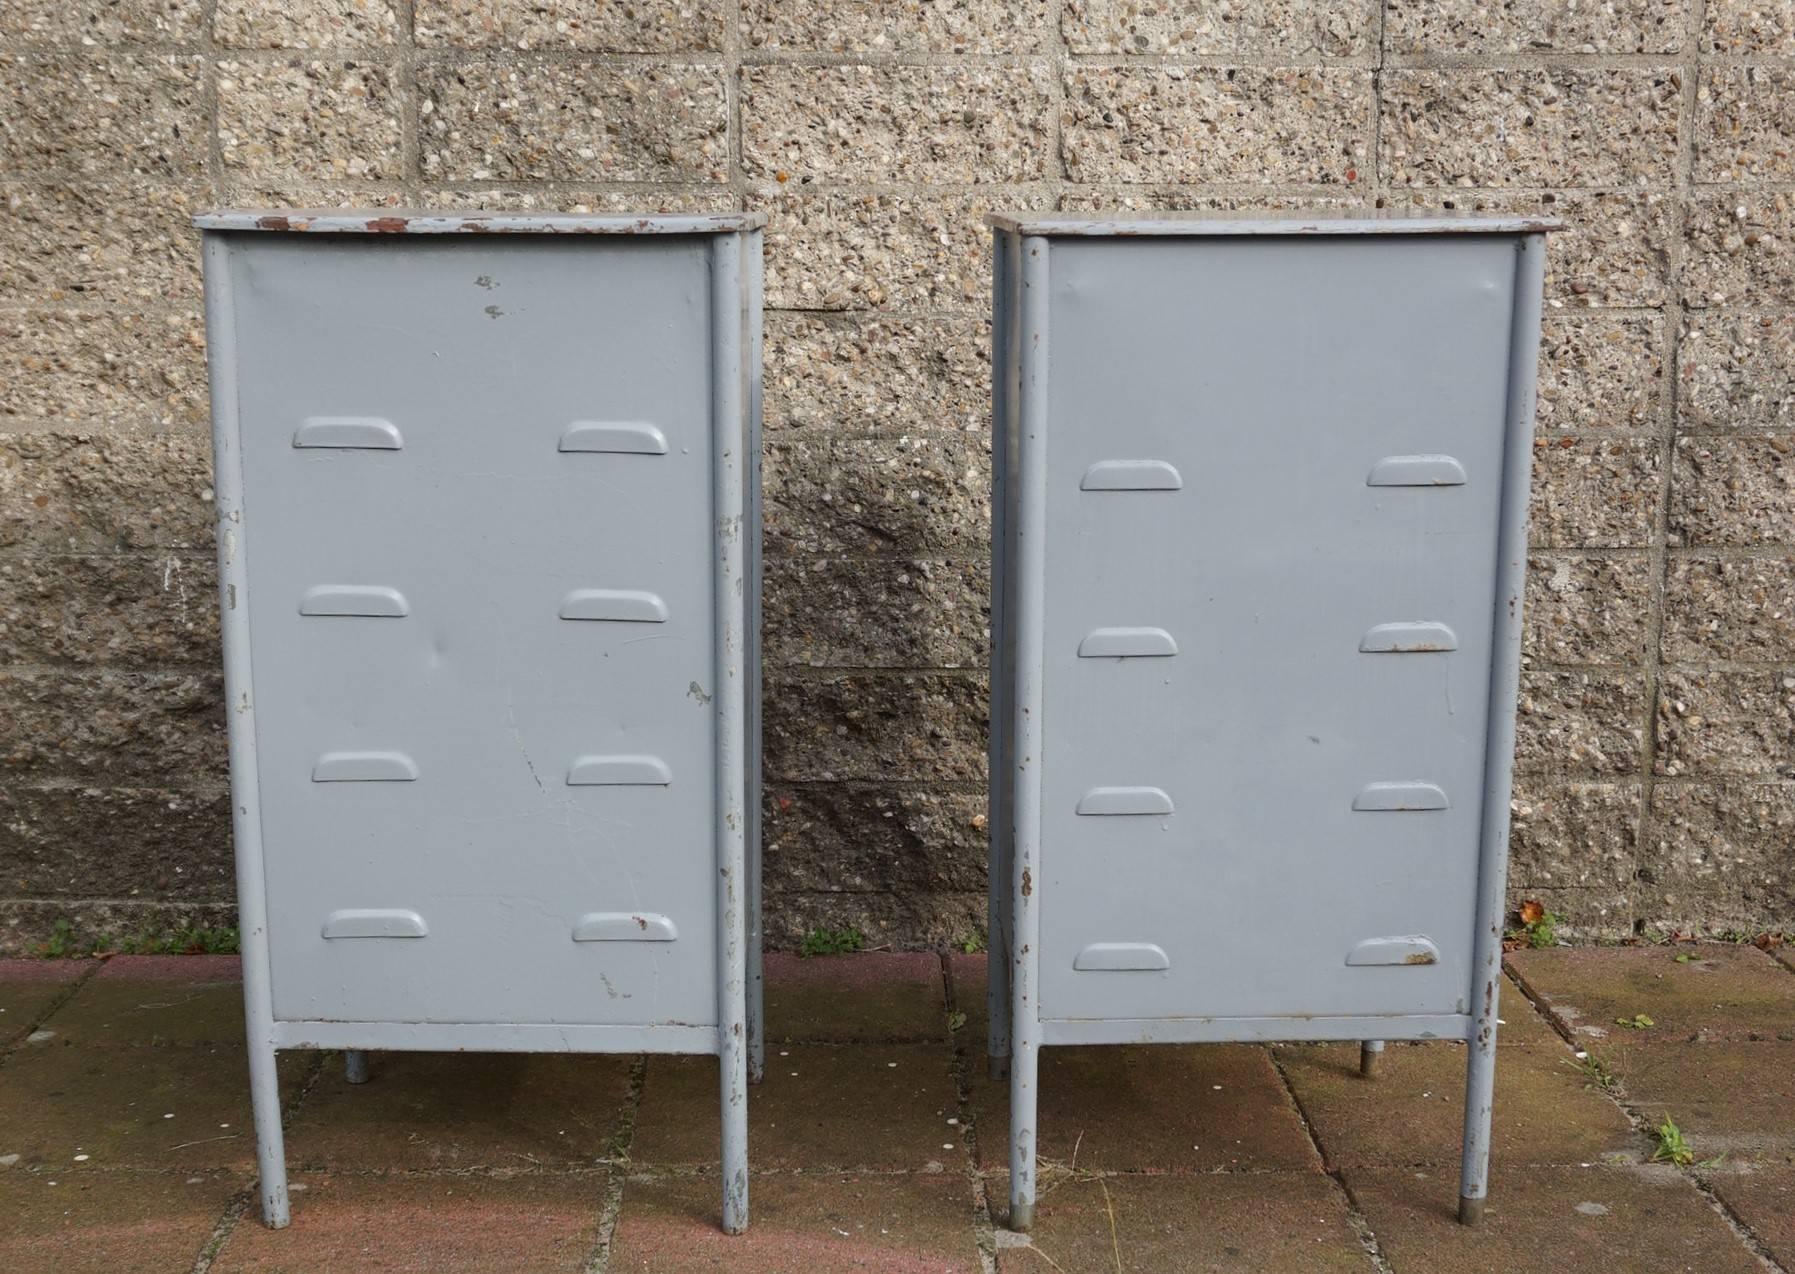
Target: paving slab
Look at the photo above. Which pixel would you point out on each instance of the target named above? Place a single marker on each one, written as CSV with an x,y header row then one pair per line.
x,y
1763,1197
105,1222
971,976
471,1224
195,999
175,1109
419,1111
1519,1023
1642,1219
1276,1222
1152,1108
821,1106
907,1223
870,997
1413,1112
1712,991
1728,1099
29,987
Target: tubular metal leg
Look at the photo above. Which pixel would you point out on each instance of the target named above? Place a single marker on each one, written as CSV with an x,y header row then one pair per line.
x,y
271,1144
1024,1091
1480,1088
355,1065
734,1065
1371,1052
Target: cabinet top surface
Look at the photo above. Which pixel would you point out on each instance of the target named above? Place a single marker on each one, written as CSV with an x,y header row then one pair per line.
x,y
1234,224
404,221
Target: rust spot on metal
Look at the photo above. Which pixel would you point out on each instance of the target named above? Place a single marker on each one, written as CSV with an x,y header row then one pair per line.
x,y
1028,884
388,225
272,223
1419,957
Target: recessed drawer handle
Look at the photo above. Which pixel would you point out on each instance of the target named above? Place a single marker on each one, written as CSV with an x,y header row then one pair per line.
x,y
354,599
1100,801
1400,797
1127,643
1413,637
364,767
392,923
619,771
1413,949
630,436
1121,957
624,926
352,433
1131,475
1416,471
616,604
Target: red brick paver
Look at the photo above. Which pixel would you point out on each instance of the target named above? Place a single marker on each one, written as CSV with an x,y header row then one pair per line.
x,y
81,1220
863,1137
912,1223
469,1224
1275,1222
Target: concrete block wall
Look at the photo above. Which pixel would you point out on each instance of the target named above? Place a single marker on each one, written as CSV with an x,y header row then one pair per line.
x,y
1657,758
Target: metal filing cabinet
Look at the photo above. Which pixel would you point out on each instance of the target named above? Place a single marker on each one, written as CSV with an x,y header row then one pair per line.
x,y
1259,540
488,535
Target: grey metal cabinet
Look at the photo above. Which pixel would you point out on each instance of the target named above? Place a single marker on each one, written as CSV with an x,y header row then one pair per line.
x,y
487,493
1261,491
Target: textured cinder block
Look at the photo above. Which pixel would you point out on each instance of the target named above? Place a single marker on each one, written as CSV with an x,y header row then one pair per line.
x,y
112,728
1581,836
26,923
130,609
1744,118
1581,723
1738,609
1435,27
1594,492
1727,723
1255,125
855,252
102,115
875,26
1750,27
631,199
1736,249
308,121
1717,856
1523,126
1613,251
305,24
102,22
861,613
1587,610
906,920
865,837
877,374
113,240
109,365
667,26
1601,371
573,122
116,842
1734,490
1736,371
1157,199
928,496
876,726
1299,30
895,123
63,492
